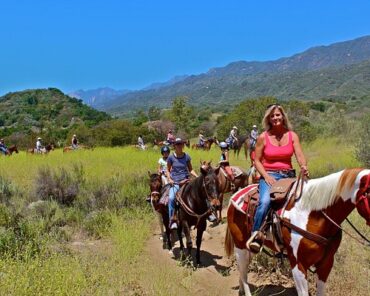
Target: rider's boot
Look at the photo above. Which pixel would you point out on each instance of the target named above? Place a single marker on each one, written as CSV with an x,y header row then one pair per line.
x,y
254,243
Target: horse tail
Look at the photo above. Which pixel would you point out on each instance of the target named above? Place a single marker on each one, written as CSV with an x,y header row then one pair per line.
x,y
229,243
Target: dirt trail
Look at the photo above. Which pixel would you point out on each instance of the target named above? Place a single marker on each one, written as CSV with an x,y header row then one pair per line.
x,y
218,274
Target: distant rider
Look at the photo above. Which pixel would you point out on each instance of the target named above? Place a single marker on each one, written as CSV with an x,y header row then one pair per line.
x,y
170,137
3,148
232,139
74,142
253,136
38,145
224,161
162,164
140,142
202,139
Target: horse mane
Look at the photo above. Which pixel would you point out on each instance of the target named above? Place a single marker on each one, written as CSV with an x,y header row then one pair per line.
x,y
323,192
153,177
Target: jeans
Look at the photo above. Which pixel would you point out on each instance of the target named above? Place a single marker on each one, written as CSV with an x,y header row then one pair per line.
x,y
171,199
264,201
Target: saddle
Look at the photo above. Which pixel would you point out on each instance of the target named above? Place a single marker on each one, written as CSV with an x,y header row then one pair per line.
x,y
236,171
246,201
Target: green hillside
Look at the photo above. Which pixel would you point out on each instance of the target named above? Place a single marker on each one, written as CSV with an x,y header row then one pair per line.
x,y
44,111
338,71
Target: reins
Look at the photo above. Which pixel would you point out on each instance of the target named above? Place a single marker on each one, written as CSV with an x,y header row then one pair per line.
x,y
190,212
346,232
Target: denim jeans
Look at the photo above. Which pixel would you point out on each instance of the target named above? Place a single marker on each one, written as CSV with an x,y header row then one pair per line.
x,y
264,201
171,199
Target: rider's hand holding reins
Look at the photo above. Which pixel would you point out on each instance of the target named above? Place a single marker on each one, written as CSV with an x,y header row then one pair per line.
x,y
305,171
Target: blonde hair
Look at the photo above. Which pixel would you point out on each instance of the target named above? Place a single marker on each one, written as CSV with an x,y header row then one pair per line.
x,y
266,118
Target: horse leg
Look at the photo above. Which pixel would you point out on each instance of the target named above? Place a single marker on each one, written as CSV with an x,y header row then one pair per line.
x,y
189,243
199,242
221,199
324,266
300,279
179,235
160,221
243,258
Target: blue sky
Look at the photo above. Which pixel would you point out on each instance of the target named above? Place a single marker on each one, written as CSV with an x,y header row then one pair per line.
x,y
74,44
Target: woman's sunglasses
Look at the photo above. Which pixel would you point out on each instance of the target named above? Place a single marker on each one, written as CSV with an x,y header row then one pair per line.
x,y
275,105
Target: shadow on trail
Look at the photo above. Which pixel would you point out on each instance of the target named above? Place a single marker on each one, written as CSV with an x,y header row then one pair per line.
x,y
207,259
269,290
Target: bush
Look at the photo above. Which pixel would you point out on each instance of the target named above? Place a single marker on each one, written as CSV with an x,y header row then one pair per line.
x,y
6,190
61,186
97,224
363,145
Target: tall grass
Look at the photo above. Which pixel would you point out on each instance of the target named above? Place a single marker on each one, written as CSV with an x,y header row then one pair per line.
x,y
94,245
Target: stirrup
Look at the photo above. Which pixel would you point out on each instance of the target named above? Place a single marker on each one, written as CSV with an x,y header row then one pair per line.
x,y
252,245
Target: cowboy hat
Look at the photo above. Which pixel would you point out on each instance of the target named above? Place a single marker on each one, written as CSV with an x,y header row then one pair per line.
x,y
234,127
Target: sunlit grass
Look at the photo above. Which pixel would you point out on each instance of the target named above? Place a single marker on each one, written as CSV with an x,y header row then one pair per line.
x,y
115,264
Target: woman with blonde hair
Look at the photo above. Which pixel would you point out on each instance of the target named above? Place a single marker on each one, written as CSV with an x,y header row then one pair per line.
x,y
274,150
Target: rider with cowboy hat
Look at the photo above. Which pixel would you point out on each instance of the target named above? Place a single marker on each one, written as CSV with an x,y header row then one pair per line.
x,y
38,145
74,142
232,137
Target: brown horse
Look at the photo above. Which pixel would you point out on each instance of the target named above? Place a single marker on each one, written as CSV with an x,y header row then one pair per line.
x,y
224,183
157,191
197,200
207,144
243,141
79,147
11,150
316,217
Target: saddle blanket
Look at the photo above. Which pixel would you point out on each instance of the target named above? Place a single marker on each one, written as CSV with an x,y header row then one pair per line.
x,y
239,199
236,171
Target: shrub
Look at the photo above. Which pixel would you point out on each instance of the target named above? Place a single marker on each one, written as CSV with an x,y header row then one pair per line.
x,y
6,190
61,186
97,224
363,145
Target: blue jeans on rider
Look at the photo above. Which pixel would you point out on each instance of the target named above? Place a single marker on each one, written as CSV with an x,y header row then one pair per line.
x,y
264,201
171,199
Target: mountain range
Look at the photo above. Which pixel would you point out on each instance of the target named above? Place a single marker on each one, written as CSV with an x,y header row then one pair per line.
x,y
340,70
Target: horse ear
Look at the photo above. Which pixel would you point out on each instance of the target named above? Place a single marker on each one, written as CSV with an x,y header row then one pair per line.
x,y
149,174
203,169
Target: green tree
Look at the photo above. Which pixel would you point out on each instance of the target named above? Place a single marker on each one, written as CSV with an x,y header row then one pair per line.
x,y
363,145
154,113
181,114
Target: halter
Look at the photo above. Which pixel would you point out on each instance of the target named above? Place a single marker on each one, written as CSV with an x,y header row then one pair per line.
x,y
363,198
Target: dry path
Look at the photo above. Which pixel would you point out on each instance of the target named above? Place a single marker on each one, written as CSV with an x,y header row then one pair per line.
x,y
218,274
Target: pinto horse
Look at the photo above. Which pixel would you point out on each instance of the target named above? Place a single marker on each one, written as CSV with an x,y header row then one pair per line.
x,y
161,209
197,200
322,207
45,150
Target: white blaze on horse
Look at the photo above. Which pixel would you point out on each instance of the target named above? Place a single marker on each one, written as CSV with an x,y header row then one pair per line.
x,y
323,206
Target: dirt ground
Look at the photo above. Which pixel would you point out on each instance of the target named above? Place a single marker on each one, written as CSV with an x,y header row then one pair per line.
x,y
218,275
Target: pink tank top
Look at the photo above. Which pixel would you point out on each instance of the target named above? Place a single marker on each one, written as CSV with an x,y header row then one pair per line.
x,y
278,157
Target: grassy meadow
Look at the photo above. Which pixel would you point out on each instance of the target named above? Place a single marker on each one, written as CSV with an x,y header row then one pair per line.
x,y
87,237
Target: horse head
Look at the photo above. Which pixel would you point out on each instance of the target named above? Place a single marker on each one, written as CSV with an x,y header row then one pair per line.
x,y
155,184
210,183
363,198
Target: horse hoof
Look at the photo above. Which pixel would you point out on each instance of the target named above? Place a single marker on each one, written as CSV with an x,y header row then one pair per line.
x,y
170,253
